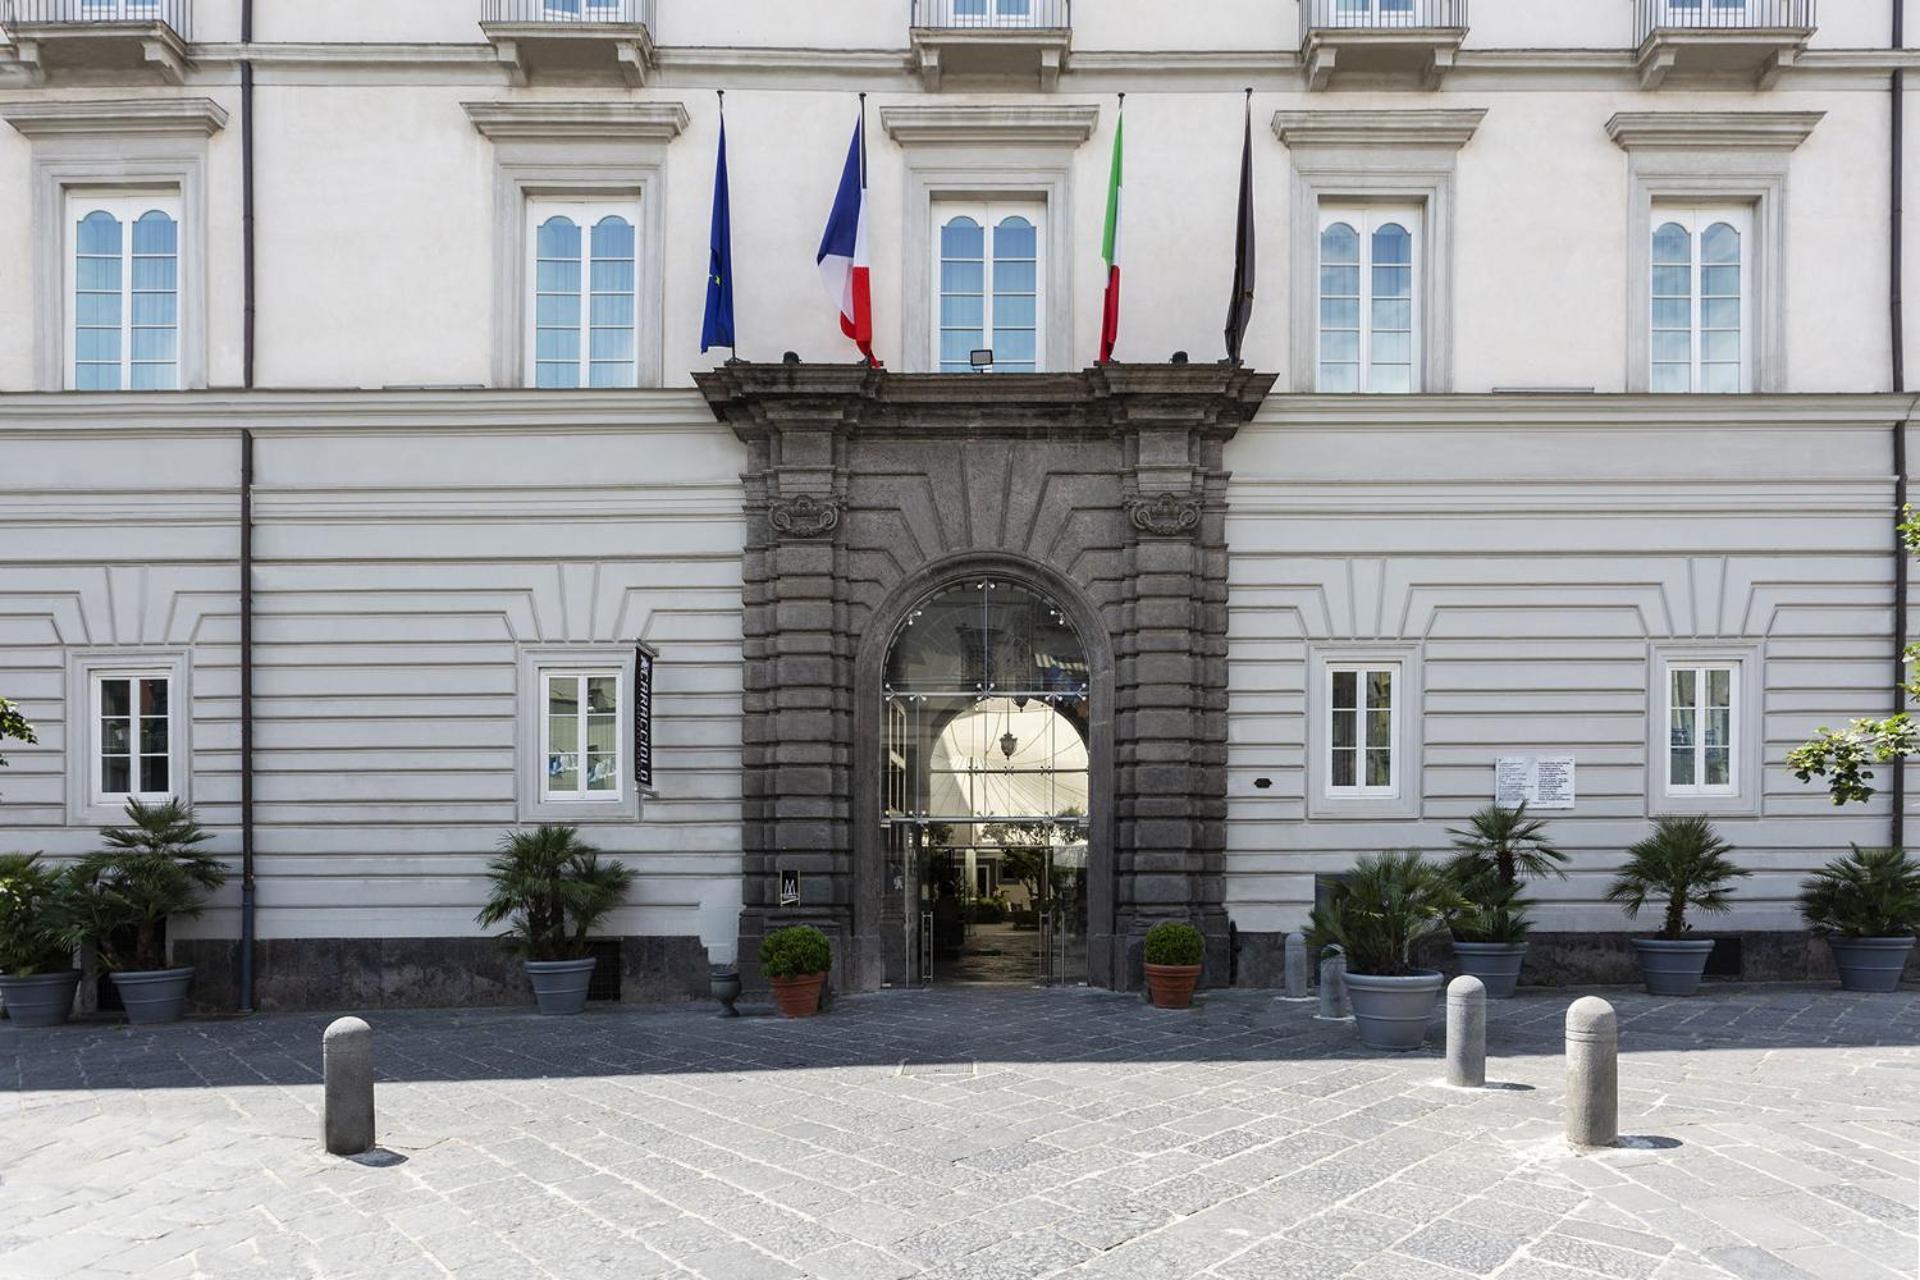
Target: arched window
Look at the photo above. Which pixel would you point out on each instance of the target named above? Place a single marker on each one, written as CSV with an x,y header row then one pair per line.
x,y
584,301
1700,291
1369,332
124,286
991,293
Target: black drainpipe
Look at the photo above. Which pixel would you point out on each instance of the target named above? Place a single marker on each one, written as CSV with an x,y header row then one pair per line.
x,y
246,521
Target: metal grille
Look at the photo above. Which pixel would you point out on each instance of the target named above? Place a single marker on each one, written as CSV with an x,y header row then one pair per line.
x,y
605,982
1721,15
27,13
993,15
1386,15
569,12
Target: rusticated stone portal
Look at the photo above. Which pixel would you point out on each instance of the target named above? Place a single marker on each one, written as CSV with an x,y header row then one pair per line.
x,y
1102,490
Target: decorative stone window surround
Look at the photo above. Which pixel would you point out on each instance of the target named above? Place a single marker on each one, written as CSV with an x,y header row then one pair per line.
x,y
83,665
1749,696
130,145
1724,157
1408,731
1400,157
532,711
986,153
577,150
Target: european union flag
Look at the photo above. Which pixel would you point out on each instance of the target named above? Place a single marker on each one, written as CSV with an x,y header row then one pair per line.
x,y
717,331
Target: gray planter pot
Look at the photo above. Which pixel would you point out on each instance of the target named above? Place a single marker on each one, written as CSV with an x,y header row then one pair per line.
x,y
1496,964
1870,964
154,995
1394,1013
1671,968
44,1000
560,986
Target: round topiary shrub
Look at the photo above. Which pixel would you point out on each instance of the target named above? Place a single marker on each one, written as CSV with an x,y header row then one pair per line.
x,y
1171,942
795,952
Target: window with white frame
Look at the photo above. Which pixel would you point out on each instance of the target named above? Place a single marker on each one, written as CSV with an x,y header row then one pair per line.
x,y
992,13
583,293
1362,729
1369,335
580,742
132,736
1702,726
123,292
1702,299
988,269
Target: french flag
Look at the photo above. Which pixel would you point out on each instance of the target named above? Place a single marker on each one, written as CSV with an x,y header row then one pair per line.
x,y
844,264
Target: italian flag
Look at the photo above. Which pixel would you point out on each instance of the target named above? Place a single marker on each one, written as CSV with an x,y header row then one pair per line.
x,y
1110,244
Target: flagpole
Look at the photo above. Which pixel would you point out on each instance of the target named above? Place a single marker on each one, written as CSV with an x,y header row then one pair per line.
x,y
873,361
721,94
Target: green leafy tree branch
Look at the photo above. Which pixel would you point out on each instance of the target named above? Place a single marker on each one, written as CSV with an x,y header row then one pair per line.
x,y
1846,757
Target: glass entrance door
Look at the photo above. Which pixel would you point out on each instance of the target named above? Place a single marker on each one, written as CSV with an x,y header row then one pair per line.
x,y
985,781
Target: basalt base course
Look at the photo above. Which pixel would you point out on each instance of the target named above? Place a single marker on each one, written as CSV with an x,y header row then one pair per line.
x,y
971,1135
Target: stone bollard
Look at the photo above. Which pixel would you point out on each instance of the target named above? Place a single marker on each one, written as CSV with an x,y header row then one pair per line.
x,y
1593,1073
1466,1033
1333,988
1296,966
346,1057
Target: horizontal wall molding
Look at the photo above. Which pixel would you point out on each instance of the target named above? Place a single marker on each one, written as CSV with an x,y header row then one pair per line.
x,y
597,122
1712,130
116,118
1449,127
994,125
475,410
1625,413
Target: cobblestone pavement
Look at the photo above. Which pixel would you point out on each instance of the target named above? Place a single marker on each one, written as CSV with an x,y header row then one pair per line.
x,y
972,1134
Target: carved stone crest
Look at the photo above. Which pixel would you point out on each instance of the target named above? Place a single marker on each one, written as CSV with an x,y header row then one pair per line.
x,y
1164,515
804,516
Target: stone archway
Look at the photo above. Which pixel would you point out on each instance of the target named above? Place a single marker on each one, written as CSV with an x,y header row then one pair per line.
x,y
1105,487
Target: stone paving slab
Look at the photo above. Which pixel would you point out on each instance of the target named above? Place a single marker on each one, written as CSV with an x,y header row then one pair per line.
x,y
972,1134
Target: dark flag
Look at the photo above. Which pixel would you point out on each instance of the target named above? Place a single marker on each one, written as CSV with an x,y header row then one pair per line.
x,y
1240,310
717,331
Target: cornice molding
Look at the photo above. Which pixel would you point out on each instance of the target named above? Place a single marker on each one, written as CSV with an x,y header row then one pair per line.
x,y
1006,126
1451,128
1712,130
467,410
116,118
1612,412
602,122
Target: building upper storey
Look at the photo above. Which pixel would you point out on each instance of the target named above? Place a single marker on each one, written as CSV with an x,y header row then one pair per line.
x,y
1449,195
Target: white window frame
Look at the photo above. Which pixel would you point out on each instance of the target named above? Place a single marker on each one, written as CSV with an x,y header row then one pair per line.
x,y
1747,660
87,804
126,206
1701,667
997,14
623,762
534,802
1404,799
97,679
1366,220
1697,219
585,213
988,214
1362,744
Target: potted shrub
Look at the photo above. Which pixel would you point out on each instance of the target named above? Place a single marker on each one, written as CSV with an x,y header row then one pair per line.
x,y
1495,851
1173,961
1682,866
37,977
1868,906
1378,914
796,961
152,871
553,891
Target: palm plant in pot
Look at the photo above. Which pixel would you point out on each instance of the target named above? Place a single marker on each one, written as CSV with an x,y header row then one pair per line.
x,y
1868,906
1174,952
1498,848
152,871
1682,866
1387,906
795,961
37,977
552,890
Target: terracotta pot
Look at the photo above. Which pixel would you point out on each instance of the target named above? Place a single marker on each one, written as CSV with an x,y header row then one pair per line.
x,y
1170,986
798,997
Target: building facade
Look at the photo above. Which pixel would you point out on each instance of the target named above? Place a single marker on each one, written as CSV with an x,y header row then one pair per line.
x,y
366,484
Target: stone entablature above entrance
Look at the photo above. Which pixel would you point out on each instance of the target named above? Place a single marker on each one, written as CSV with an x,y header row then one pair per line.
x,y
1102,490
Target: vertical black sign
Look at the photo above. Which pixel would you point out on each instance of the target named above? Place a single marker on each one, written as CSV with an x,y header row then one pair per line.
x,y
643,719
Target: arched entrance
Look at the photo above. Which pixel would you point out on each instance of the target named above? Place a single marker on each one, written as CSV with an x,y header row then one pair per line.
x,y
986,809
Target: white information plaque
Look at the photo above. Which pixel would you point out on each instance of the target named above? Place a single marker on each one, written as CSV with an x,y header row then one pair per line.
x,y
1540,783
